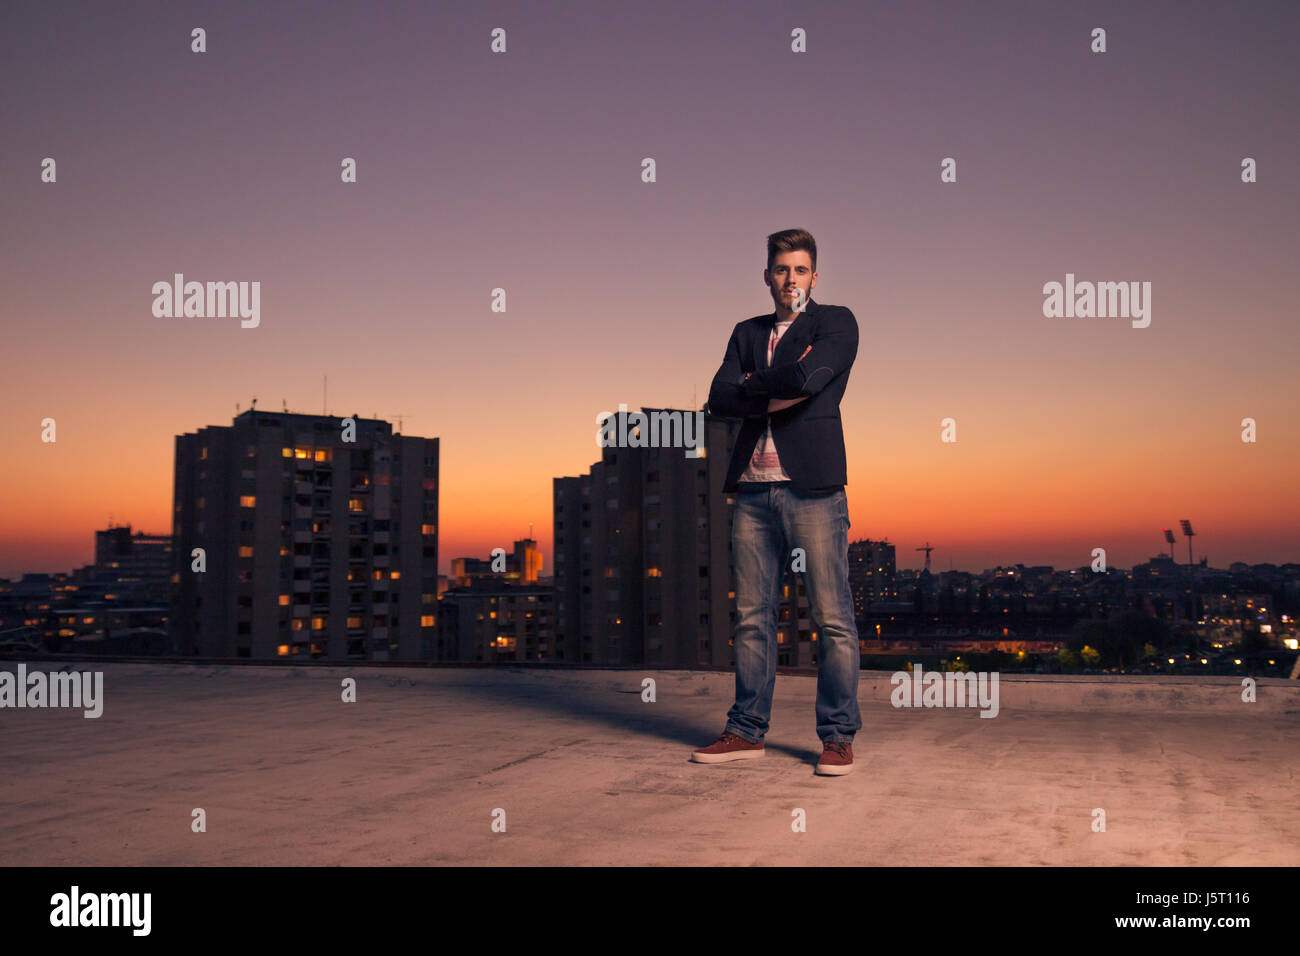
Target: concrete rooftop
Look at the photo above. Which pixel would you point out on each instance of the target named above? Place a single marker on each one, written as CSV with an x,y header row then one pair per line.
x,y
587,773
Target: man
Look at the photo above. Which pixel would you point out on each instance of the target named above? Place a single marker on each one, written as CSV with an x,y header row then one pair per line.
x,y
784,375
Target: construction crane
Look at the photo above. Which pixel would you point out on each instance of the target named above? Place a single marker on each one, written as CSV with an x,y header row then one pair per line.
x,y
927,549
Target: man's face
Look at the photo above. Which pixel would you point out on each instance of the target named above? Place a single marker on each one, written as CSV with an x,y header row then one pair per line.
x,y
790,272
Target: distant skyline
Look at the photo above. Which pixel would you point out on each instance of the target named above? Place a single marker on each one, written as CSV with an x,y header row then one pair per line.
x,y
522,171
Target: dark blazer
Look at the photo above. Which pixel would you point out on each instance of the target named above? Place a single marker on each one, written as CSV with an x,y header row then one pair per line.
x,y
809,436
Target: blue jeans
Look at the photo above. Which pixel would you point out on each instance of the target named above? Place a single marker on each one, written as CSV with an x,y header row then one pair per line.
x,y
770,520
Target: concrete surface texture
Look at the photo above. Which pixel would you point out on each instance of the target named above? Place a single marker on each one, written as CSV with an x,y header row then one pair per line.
x,y
581,770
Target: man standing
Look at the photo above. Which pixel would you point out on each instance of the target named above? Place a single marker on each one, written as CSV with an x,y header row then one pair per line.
x,y
784,375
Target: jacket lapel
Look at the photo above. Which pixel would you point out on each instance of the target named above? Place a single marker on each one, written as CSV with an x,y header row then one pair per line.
x,y
759,345
792,343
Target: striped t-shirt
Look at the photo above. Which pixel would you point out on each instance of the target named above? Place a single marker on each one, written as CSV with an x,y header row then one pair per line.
x,y
764,465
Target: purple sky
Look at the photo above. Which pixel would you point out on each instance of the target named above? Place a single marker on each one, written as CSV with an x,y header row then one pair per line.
x,y
522,171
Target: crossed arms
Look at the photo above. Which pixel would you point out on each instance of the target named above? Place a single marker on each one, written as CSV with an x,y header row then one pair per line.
x,y
738,394
776,404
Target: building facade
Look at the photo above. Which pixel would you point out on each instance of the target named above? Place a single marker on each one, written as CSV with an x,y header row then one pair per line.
x,y
305,536
643,570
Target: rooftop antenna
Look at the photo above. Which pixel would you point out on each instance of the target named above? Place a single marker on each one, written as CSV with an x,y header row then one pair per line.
x,y
399,416
325,395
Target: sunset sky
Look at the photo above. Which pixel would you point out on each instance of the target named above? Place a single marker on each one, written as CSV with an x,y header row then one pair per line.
x,y
478,170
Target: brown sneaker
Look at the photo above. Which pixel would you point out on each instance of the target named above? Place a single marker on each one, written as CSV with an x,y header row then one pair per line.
x,y
837,758
727,747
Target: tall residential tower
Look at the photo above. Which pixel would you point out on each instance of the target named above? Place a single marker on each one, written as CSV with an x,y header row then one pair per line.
x,y
319,538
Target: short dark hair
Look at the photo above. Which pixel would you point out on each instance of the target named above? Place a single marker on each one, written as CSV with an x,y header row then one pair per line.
x,y
789,240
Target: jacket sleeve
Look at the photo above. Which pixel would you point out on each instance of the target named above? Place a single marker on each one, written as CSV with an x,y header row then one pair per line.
x,y
833,349
726,397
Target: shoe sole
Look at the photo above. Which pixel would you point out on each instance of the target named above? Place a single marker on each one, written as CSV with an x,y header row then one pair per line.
x,y
722,758
832,770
